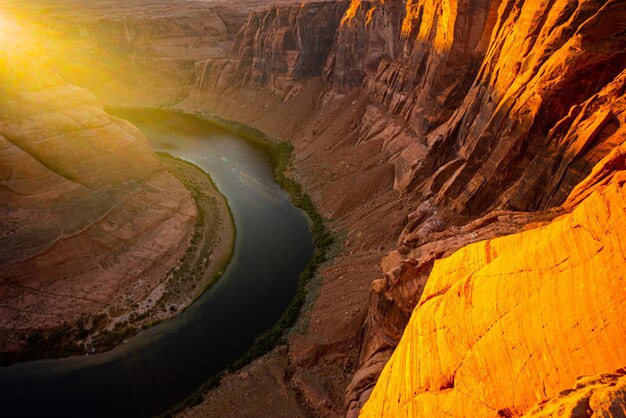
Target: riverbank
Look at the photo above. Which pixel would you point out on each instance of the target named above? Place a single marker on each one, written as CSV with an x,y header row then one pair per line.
x,y
354,193
203,257
281,157
211,246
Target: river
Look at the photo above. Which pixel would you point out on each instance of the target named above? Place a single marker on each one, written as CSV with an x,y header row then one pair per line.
x,y
162,365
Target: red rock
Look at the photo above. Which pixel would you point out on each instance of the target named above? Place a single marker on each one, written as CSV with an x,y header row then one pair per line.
x,y
440,124
89,217
277,48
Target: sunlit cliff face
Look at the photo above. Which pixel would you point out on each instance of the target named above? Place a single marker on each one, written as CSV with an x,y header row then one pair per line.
x,y
430,21
423,18
351,12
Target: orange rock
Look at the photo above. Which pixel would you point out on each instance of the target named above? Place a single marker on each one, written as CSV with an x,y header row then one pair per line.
x,y
508,322
489,113
351,12
603,395
525,135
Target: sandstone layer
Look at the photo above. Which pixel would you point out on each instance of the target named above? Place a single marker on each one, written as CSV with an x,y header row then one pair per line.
x,y
90,220
521,145
602,395
420,127
456,122
505,323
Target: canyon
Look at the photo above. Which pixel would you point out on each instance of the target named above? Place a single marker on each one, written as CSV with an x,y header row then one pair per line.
x,y
469,155
129,53
438,125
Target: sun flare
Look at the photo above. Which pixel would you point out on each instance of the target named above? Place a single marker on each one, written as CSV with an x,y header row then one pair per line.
x,y
13,36
4,28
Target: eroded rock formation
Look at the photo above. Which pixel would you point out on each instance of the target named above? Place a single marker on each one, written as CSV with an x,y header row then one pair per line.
x,y
456,121
601,395
425,130
509,151
90,220
505,323
138,53
277,48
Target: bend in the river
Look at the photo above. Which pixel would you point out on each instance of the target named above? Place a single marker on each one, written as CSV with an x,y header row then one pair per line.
x,y
162,365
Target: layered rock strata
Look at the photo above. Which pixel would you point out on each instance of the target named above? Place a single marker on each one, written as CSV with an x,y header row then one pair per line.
x,y
90,220
456,122
276,49
520,150
139,53
508,322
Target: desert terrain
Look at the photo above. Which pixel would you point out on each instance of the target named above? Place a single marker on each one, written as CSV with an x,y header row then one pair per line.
x,y
468,157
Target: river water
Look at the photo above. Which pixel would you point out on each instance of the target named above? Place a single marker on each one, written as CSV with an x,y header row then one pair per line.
x,y
159,367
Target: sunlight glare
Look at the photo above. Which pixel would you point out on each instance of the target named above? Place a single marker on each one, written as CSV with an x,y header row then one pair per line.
x,y
3,28
9,27
10,31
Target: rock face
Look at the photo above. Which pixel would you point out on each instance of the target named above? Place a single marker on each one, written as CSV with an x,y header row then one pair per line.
x,y
522,147
456,122
507,322
277,48
603,396
90,221
417,64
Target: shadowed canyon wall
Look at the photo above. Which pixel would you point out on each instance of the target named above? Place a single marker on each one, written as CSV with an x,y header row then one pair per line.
x,y
476,118
276,49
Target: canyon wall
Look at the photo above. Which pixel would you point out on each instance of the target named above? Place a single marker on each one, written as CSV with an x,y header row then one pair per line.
x,y
524,136
276,49
91,221
508,322
137,53
424,130
436,124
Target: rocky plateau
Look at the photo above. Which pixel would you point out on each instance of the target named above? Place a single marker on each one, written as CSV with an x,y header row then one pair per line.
x,y
91,225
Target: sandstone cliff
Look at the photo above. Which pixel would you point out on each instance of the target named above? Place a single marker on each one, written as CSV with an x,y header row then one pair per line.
x,y
277,49
508,322
520,146
90,221
602,395
456,122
